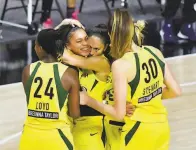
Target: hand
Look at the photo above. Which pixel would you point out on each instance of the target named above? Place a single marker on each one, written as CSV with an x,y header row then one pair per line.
x,y
129,109
72,22
84,98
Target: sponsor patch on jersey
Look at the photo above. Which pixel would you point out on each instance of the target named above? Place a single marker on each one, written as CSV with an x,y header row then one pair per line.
x,y
150,96
43,114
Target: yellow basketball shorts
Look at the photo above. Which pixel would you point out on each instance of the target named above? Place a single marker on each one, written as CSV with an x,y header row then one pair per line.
x,y
88,133
113,134
38,139
136,135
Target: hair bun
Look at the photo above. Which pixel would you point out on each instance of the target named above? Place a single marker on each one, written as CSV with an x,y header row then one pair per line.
x,y
140,24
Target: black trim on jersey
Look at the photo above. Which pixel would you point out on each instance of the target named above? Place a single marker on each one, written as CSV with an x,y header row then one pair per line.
x,y
103,134
134,83
116,123
61,92
29,82
161,63
94,84
88,111
131,133
65,139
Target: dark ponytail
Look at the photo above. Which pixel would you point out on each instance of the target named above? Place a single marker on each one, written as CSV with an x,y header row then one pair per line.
x,y
50,41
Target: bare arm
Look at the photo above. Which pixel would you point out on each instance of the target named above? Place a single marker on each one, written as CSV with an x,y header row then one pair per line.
x,y
96,63
25,75
118,110
172,88
71,76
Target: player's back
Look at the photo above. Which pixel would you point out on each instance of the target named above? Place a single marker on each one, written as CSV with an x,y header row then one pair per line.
x,y
46,97
146,87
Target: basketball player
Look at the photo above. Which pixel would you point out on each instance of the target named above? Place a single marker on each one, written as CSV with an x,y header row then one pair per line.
x,y
88,129
138,73
52,94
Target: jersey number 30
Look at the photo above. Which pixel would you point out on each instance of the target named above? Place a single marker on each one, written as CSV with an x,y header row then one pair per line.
x,y
152,71
48,90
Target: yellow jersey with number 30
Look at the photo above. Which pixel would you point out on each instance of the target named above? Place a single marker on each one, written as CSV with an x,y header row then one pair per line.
x,y
46,97
146,88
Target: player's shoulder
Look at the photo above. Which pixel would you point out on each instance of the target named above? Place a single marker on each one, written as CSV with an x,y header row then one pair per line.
x,y
121,65
155,50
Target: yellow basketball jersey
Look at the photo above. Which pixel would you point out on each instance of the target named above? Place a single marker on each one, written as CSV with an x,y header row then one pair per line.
x,y
146,88
94,87
46,97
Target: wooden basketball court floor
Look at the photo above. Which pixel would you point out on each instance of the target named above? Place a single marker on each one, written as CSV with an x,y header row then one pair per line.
x,y
181,111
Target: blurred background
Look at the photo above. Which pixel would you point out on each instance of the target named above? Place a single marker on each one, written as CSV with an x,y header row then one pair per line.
x,y
170,26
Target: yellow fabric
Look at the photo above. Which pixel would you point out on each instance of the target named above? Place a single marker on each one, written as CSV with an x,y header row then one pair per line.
x,y
113,135
87,125
87,133
148,136
151,110
87,80
41,106
35,139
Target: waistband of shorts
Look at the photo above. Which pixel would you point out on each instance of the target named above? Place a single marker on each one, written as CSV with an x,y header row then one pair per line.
x,y
116,123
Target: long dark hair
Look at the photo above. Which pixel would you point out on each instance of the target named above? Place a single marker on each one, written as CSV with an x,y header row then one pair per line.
x,y
101,31
51,42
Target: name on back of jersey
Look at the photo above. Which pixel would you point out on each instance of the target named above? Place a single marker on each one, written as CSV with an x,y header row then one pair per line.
x,y
43,114
151,92
42,111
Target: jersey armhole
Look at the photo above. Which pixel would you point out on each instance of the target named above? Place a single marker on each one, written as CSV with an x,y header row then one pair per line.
x,y
134,83
33,70
61,92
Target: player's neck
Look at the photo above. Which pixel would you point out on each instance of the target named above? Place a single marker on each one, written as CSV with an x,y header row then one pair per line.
x,y
135,47
48,59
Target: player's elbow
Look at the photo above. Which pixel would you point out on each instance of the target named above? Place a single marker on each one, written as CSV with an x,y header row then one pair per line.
x,y
119,116
178,92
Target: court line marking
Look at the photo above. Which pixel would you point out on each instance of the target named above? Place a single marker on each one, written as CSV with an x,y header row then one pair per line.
x,y
13,136
188,84
181,56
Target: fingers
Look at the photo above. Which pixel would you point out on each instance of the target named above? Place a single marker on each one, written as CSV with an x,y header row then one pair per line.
x,y
72,22
130,108
76,23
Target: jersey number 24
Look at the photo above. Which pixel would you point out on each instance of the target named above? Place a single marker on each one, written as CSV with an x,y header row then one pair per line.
x,y
48,90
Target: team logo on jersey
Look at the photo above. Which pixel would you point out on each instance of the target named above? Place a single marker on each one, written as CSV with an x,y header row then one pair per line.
x,y
84,73
109,79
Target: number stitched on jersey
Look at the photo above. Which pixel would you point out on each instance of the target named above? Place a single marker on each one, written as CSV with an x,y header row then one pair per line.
x,y
48,90
152,72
